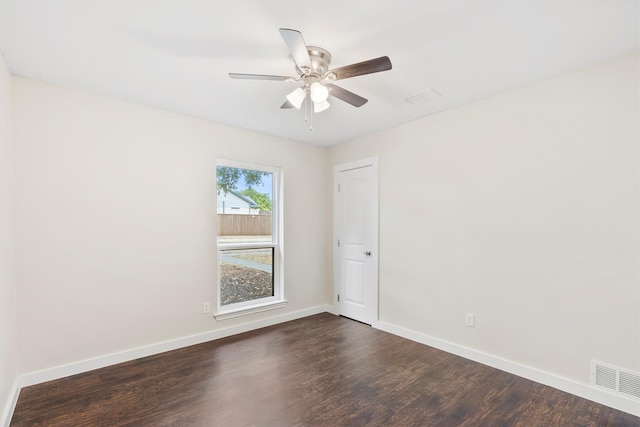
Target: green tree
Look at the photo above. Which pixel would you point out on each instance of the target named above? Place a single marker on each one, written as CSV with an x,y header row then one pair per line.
x,y
263,200
227,178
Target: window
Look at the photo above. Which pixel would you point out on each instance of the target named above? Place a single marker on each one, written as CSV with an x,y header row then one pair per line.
x,y
249,238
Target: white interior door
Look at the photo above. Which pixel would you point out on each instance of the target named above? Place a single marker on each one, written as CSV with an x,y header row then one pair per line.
x,y
356,239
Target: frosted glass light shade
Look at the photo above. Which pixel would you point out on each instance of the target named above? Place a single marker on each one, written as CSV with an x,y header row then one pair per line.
x,y
297,97
319,93
320,106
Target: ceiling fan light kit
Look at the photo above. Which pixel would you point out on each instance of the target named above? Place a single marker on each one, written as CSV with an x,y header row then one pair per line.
x,y
319,93
296,98
312,67
320,106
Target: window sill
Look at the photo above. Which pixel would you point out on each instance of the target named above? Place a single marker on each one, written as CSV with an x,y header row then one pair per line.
x,y
243,311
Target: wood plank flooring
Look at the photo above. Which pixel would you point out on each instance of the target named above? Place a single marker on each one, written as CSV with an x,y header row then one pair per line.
x,y
322,370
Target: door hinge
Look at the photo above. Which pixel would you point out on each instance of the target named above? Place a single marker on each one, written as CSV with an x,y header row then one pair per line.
x,y
338,297
338,242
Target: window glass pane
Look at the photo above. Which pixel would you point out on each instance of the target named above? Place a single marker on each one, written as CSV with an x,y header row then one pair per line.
x,y
244,205
248,235
245,275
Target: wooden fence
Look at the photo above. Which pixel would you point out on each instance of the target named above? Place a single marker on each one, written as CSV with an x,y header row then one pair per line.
x,y
244,225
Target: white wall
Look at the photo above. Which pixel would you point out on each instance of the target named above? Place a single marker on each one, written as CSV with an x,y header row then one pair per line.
x,y
525,211
116,223
8,345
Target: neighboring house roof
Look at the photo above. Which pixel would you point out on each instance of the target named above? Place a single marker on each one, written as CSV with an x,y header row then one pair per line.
x,y
245,198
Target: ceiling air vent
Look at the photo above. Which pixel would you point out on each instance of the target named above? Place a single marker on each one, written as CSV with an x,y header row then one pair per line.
x,y
422,97
615,379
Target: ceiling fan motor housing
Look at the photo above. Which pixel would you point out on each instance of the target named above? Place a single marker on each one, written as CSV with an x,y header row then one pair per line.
x,y
320,60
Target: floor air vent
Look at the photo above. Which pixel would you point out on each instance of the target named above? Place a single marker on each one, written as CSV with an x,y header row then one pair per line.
x,y
615,379
629,384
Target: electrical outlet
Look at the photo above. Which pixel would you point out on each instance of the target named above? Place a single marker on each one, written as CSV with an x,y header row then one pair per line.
x,y
470,320
206,308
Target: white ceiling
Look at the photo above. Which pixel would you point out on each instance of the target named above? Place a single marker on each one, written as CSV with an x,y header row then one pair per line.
x,y
175,54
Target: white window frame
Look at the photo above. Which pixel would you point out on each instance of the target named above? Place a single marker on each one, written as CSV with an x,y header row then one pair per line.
x,y
277,300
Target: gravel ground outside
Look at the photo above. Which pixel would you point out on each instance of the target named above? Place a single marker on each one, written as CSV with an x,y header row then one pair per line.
x,y
239,284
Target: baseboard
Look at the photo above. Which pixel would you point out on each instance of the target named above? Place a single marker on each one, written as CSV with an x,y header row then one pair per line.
x,y
136,353
585,391
10,405
332,309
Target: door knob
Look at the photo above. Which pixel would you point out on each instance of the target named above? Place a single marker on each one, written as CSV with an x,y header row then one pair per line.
x,y
367,253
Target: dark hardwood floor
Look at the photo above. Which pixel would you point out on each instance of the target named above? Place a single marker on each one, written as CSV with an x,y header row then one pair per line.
x,y
319,371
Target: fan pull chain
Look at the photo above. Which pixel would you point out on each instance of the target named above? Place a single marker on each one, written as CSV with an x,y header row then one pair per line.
x,y
306,119
308,113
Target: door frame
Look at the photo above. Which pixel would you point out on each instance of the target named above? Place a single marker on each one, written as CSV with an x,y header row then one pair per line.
x,y
357,164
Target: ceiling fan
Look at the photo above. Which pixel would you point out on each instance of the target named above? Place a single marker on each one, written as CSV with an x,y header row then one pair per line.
x,y
312,67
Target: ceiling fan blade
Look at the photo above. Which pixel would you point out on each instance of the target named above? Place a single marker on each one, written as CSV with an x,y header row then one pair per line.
x,y
258,77
345,95
366,67
297,47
